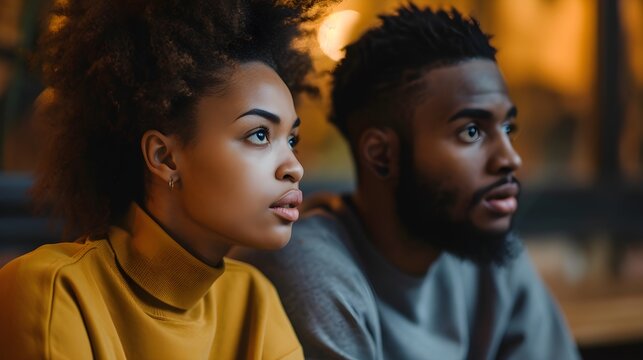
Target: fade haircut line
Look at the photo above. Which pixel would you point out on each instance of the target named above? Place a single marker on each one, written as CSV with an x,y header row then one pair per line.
x,y
376,83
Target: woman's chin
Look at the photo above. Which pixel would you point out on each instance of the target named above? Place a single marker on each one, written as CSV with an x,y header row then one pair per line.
x,y
276,240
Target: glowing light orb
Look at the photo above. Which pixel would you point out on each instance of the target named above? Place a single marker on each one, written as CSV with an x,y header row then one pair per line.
x,y
334,32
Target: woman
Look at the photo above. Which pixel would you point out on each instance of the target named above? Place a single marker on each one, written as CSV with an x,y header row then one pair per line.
x,y
175,141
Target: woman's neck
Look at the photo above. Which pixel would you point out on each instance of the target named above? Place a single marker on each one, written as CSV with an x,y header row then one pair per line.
x,y
198,241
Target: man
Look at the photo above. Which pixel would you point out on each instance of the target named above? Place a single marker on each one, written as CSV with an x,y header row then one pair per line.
x,y
420,262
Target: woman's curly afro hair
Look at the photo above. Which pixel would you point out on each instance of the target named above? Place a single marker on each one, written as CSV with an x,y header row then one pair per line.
x,y
118,68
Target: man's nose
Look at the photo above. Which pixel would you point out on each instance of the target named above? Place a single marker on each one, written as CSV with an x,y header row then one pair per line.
x,y
504,158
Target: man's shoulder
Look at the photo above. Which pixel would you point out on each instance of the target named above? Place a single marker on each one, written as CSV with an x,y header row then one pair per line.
x,y
318,256
321,229
323,287
318,239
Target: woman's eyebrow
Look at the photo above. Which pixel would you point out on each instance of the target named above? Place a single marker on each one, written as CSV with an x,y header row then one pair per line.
x,y
273,118
262,113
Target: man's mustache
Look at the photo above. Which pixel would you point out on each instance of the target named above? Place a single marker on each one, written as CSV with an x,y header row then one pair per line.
x,y
479,194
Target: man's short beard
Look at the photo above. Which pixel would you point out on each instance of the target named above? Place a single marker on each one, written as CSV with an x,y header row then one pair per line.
x,y
423,208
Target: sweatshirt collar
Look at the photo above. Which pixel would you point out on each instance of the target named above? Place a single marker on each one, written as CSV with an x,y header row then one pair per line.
x,y
158,264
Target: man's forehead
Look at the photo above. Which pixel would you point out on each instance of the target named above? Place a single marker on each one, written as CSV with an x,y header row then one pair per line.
x,y
469,78
473,84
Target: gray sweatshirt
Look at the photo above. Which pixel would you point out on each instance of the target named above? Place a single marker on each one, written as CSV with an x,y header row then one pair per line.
x,y
346,301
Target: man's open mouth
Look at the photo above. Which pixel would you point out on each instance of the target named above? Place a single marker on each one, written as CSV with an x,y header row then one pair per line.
x,y
502,200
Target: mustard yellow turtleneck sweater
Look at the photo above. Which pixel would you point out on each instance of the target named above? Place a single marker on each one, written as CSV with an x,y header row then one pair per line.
x,y
138,295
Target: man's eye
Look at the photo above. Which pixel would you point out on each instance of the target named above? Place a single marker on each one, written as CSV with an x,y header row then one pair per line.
x,y
259,137
510,129
470,134
293,140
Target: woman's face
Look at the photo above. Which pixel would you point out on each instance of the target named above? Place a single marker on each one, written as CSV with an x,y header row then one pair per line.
x,y
239,176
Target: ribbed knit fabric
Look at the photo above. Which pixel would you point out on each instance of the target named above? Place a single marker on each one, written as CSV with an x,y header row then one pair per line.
x,y
138,295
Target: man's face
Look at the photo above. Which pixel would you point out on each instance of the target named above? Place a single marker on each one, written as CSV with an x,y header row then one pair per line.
x,y
457,189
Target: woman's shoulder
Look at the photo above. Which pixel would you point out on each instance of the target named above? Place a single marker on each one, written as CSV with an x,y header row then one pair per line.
x,y
35,288
44,264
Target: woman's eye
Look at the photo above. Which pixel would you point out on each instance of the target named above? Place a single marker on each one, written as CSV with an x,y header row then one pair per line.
x,y
470,134
293,140
259,137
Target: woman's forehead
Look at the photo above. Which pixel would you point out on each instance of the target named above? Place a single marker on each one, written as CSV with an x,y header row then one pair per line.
x,y
251,85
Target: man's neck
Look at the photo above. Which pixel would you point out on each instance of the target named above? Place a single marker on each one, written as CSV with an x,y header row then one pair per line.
x,y
388,236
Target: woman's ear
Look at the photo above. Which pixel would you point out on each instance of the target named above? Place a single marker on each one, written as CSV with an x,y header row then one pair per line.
x,y
379,150
159,152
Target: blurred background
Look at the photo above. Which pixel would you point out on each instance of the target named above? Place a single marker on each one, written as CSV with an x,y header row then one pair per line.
x,y
575,71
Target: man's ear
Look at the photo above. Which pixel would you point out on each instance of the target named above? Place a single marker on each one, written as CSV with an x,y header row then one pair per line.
x,y
159,152
379,151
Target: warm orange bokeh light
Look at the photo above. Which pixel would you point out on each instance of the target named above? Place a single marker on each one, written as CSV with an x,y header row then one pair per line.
x,y
334,32
548,43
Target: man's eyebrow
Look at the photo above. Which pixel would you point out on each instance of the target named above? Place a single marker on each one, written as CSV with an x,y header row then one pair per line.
x,y
262,113
297,123
471,113
512,113
481,114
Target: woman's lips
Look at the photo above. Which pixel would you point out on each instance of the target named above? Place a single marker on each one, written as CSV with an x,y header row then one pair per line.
x,y
286,206
290,215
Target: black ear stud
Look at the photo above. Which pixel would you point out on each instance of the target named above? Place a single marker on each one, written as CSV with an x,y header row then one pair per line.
x,y
382,171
